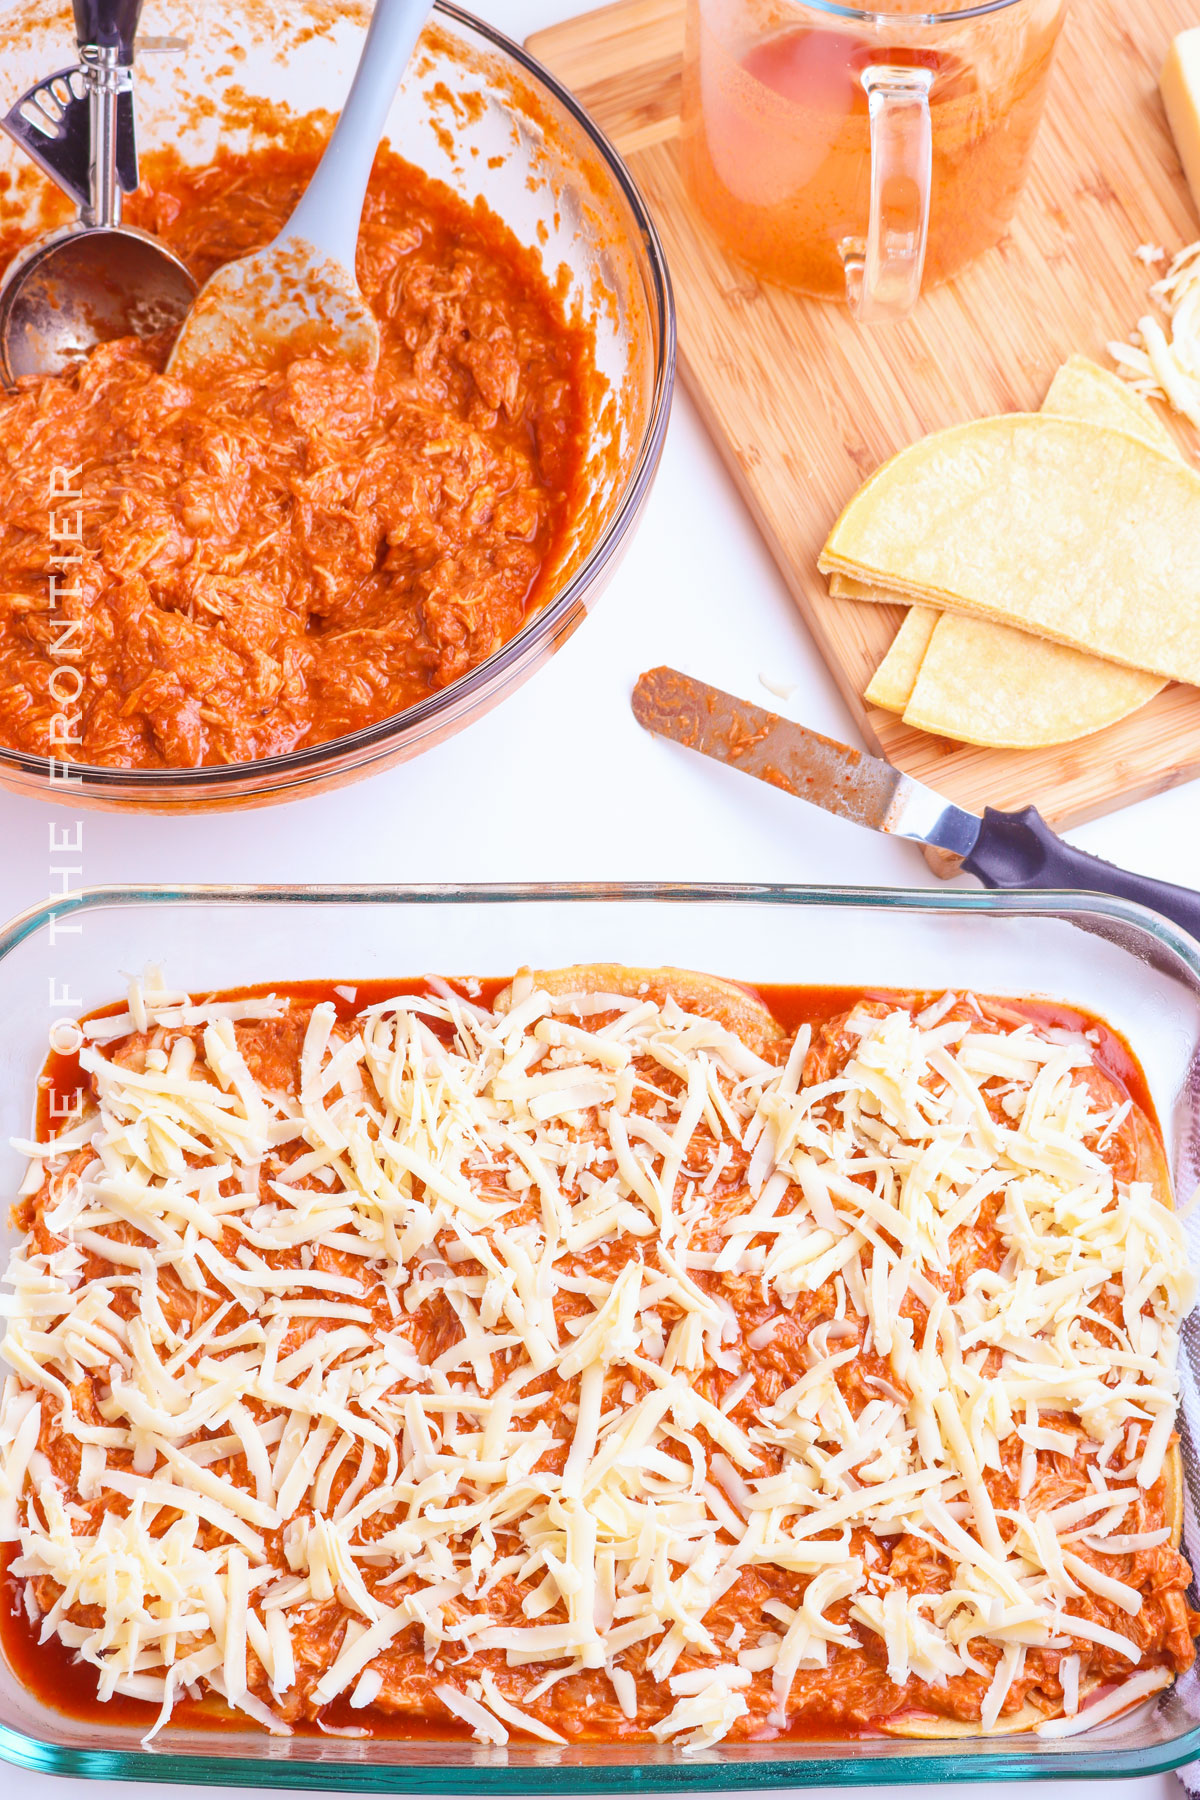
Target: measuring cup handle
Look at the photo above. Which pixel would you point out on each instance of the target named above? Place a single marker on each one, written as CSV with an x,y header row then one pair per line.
x,y
884,278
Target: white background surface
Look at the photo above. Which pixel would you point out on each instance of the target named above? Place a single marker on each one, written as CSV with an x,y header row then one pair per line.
x,y
604,800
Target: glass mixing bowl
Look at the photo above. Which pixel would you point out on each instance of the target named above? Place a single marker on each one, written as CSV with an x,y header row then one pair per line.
x,y
480,115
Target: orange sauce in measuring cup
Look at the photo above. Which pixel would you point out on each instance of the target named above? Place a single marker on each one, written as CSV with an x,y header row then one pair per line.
x,y
777,144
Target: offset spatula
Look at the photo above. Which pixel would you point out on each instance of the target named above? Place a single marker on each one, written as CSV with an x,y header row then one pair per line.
x,y
1015,849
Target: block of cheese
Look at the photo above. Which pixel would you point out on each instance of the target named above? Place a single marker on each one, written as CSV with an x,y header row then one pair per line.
x,y
1179,85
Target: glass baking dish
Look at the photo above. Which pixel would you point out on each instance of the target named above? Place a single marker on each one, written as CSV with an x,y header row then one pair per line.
x,y
1141,974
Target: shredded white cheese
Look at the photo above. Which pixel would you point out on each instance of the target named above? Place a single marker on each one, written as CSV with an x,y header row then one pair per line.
x,y
243,1272
1163,362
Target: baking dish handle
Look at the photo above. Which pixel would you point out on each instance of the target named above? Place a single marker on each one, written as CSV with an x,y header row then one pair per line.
x,y
1018,849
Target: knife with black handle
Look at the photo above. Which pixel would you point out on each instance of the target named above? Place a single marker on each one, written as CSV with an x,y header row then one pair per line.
x,y
1002,849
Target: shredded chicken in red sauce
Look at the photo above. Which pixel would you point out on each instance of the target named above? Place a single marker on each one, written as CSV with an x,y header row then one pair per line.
x,y
272,560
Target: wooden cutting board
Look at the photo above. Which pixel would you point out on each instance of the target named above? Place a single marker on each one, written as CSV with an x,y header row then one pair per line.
x,y
805,404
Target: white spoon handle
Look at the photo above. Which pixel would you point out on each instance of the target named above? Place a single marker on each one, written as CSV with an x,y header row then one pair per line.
x,y
330,210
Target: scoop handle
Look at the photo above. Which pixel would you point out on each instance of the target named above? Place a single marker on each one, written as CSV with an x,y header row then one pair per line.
x,y
329,213
1018,849
112,24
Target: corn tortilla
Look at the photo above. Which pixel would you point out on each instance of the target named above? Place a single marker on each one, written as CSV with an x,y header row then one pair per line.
x,y
739,1009
1069,530
1081,389
980,683
845,587
894,680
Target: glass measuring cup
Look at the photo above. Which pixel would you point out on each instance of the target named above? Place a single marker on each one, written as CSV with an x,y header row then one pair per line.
x,y
858,155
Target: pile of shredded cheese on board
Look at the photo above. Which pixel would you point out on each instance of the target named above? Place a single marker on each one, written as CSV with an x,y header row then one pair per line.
x,y
223,1314
1164,364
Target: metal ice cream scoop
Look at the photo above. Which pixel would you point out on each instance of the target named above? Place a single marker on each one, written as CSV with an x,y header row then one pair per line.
x,y
95,279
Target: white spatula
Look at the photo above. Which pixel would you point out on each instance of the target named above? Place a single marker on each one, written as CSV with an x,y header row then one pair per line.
x,y
300,293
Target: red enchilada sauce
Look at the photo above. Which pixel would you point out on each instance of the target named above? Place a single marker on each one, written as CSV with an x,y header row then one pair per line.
x,y
853,1698
213,572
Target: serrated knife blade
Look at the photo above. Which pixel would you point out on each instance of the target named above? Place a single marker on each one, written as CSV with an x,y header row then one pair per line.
x,y
864,789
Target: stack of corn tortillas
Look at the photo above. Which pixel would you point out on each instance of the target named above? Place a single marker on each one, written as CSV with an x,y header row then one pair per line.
x,y
1051,561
